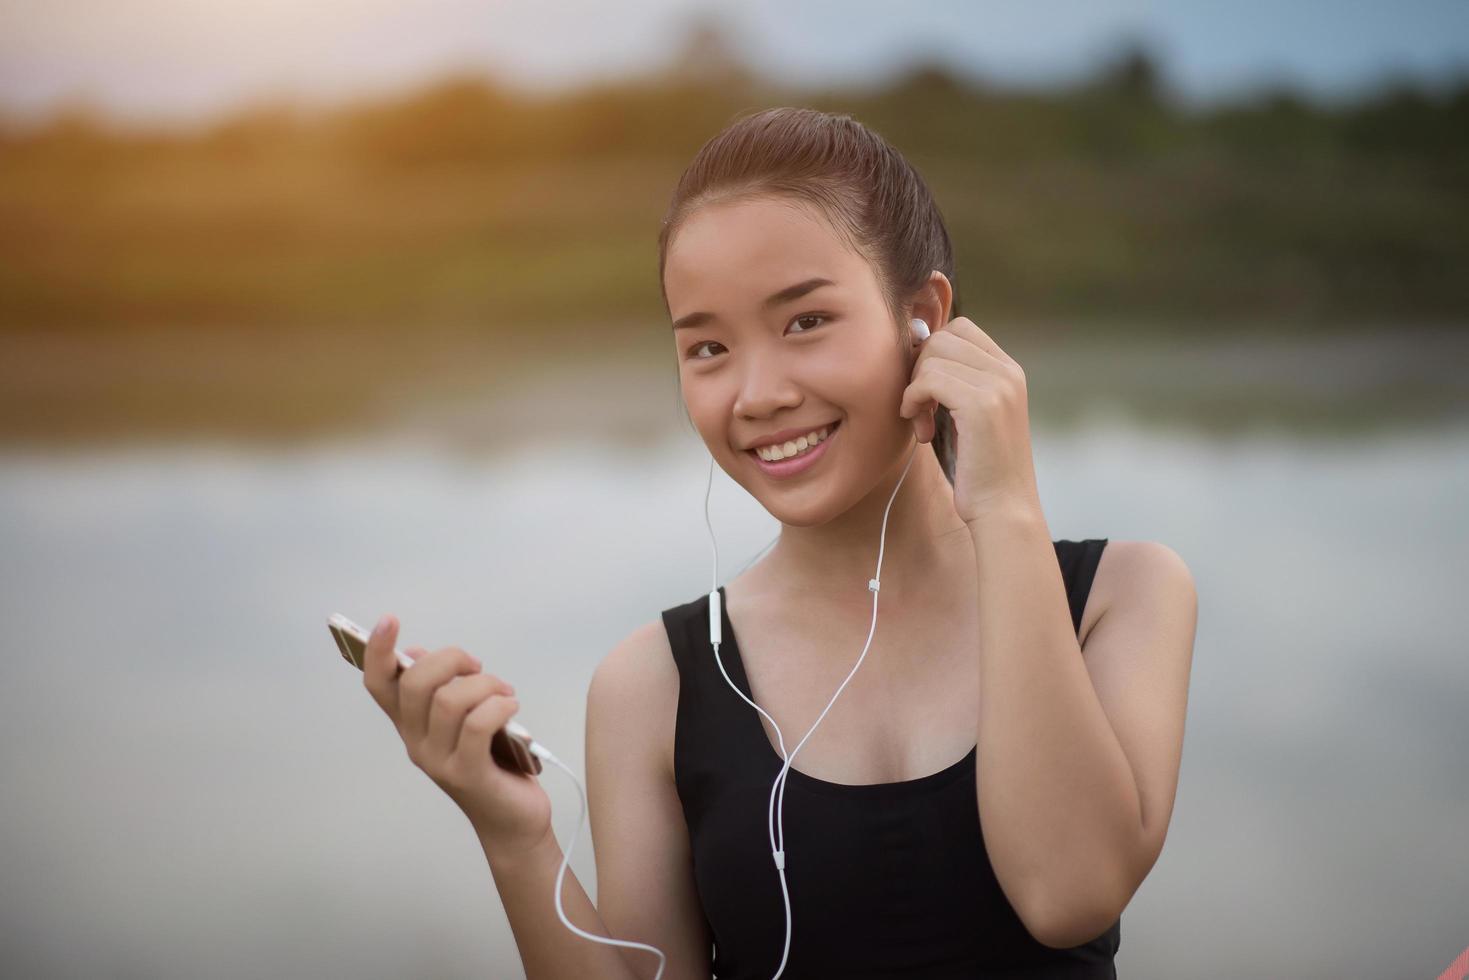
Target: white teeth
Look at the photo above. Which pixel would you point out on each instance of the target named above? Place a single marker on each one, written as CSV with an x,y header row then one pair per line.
x,y
795,447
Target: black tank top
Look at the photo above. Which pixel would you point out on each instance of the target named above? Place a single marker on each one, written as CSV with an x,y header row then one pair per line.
x,y
886,879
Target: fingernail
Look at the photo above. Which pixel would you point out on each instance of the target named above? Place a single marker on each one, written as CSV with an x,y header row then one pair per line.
x,y
475,660
381,627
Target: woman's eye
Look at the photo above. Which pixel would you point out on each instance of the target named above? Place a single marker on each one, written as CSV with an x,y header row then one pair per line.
x,y
693,351
808,316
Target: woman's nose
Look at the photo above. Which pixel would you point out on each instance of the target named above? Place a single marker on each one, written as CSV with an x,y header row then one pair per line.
x,y
764,390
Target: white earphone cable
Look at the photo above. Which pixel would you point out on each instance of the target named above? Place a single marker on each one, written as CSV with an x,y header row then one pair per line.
x,y
546,754
776,814
775,818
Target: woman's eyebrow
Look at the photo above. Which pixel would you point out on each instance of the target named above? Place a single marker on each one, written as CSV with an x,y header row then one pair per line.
x,y
773,300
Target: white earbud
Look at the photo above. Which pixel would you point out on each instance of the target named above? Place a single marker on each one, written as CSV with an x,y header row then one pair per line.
x,y
920,330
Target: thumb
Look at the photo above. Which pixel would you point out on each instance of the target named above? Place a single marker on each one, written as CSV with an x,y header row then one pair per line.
x,y
380,645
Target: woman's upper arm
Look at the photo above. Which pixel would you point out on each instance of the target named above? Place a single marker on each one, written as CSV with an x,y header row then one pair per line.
x,y
645,874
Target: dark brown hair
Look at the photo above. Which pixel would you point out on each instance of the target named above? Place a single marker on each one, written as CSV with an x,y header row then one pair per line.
x,y
870,194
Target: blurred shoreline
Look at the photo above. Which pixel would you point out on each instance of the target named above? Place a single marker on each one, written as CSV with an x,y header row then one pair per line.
x,y
480,392
478,266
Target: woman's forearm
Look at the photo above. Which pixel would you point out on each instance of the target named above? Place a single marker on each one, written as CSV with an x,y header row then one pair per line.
x,y
548,950
1057,797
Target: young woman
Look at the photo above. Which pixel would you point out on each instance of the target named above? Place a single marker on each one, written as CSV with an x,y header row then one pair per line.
x,y
992,786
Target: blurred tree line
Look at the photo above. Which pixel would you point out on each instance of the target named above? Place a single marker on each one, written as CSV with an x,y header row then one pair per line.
x,y
468,205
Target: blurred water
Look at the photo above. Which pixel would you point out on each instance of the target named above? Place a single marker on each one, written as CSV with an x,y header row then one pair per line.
x,y
195,784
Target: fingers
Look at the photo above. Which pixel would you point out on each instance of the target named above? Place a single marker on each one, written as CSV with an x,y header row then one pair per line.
x,y
418,684
452,702
918,397
924,416
959,356
964,342
962,326
480,726
380,666
936,386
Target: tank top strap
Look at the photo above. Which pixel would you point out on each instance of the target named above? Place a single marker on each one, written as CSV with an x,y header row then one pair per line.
x,y
718,740
704,694
1078,560
688,636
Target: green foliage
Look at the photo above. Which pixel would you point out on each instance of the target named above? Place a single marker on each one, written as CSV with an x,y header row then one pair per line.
x,y
466,203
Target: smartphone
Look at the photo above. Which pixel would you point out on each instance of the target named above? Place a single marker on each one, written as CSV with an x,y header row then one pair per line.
x,y
510,746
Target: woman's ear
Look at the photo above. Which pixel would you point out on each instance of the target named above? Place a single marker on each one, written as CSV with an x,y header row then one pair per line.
x,y
932,301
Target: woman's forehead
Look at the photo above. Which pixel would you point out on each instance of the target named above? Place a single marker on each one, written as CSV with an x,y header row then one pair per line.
x,y
742,252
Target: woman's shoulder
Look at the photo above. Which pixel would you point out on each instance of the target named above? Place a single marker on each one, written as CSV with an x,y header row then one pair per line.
x,y
634,689
1126,566
643,657
1124,561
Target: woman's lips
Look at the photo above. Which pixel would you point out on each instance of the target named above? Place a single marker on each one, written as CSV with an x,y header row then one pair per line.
x,y
796,464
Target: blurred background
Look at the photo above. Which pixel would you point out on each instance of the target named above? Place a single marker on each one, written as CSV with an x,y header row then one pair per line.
x,y
353,307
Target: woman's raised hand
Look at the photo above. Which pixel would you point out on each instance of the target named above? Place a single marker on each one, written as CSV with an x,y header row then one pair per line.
x,y
446,711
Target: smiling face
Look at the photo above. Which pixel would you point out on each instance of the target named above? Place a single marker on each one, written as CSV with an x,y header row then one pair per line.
x,y
753,363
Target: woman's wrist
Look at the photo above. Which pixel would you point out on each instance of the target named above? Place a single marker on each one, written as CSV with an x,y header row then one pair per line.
x,y
507,856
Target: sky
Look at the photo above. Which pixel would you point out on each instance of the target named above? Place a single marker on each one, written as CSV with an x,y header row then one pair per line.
x,y
180,60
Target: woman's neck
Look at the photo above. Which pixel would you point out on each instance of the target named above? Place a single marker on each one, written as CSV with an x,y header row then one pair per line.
x,y
925,543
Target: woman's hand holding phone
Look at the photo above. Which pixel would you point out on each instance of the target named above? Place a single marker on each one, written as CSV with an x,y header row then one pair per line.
x,y
446,711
